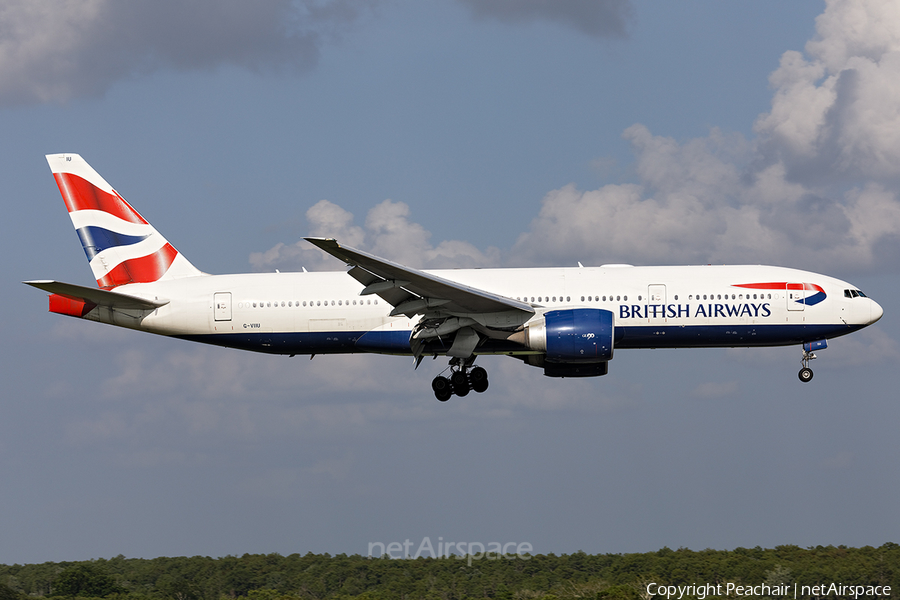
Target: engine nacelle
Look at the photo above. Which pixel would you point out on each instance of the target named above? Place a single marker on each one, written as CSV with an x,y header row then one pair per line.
x,y
578,335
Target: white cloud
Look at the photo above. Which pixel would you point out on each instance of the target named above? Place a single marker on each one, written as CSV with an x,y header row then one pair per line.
x,y
326,219
717,199
55,50
388,232
836,112
814,189
849,29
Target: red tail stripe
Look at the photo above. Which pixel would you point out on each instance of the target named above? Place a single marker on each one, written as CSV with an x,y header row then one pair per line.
x,y
781,286
80,194
145,269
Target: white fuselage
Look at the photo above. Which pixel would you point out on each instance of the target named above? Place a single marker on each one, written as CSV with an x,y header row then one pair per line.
x,y
695,306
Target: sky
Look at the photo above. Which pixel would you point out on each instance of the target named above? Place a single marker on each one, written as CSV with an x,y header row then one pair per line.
x,y
449,133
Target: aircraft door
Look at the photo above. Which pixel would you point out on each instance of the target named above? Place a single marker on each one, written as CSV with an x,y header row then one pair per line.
x,y
796,296
222,306
656,305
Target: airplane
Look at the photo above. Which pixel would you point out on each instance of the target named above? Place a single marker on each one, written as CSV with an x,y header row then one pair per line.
x,y
566,321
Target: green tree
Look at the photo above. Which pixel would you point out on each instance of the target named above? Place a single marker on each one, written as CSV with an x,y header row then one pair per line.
x,y
7,593
176,588
85,580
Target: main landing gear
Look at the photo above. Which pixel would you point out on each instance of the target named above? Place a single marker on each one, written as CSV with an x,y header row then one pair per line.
x,y
463,377
806,373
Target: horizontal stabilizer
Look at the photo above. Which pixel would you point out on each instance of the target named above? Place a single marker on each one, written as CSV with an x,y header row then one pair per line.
x,y
96,296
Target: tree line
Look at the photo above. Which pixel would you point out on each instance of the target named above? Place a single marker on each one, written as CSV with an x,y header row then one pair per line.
x,y
539,577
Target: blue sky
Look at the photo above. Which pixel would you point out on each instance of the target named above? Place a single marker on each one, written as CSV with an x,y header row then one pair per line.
x,y
450,133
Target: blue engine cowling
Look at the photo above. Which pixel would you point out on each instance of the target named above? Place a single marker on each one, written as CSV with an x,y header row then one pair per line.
x,y
579,335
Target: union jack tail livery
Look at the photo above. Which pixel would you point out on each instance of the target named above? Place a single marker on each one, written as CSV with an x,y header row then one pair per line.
x,y
121,246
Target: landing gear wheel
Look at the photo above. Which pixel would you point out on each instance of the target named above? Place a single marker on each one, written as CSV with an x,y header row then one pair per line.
x,y
478,379
806,373
442,388
460,383
464,377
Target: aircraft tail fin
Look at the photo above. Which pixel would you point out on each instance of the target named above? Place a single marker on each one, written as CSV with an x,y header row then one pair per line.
x,y
121,246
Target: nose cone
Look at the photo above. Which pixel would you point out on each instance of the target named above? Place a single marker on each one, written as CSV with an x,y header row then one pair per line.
x,y
876,311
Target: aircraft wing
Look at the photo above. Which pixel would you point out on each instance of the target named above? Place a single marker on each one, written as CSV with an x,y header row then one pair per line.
x,y
413,292
96,296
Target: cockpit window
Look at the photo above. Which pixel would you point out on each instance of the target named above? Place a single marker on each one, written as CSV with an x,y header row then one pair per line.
x,y
847,294
861,295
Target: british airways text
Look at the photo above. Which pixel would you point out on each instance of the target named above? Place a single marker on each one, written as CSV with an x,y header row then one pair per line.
x,y
677,311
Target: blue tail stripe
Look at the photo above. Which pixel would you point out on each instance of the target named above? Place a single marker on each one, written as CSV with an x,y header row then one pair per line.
x,y
97,239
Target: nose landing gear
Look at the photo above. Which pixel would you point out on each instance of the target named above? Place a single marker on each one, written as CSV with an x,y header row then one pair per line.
x,y
463,378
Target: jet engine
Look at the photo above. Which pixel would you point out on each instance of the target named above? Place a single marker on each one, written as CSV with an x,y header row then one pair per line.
x,y
575,342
